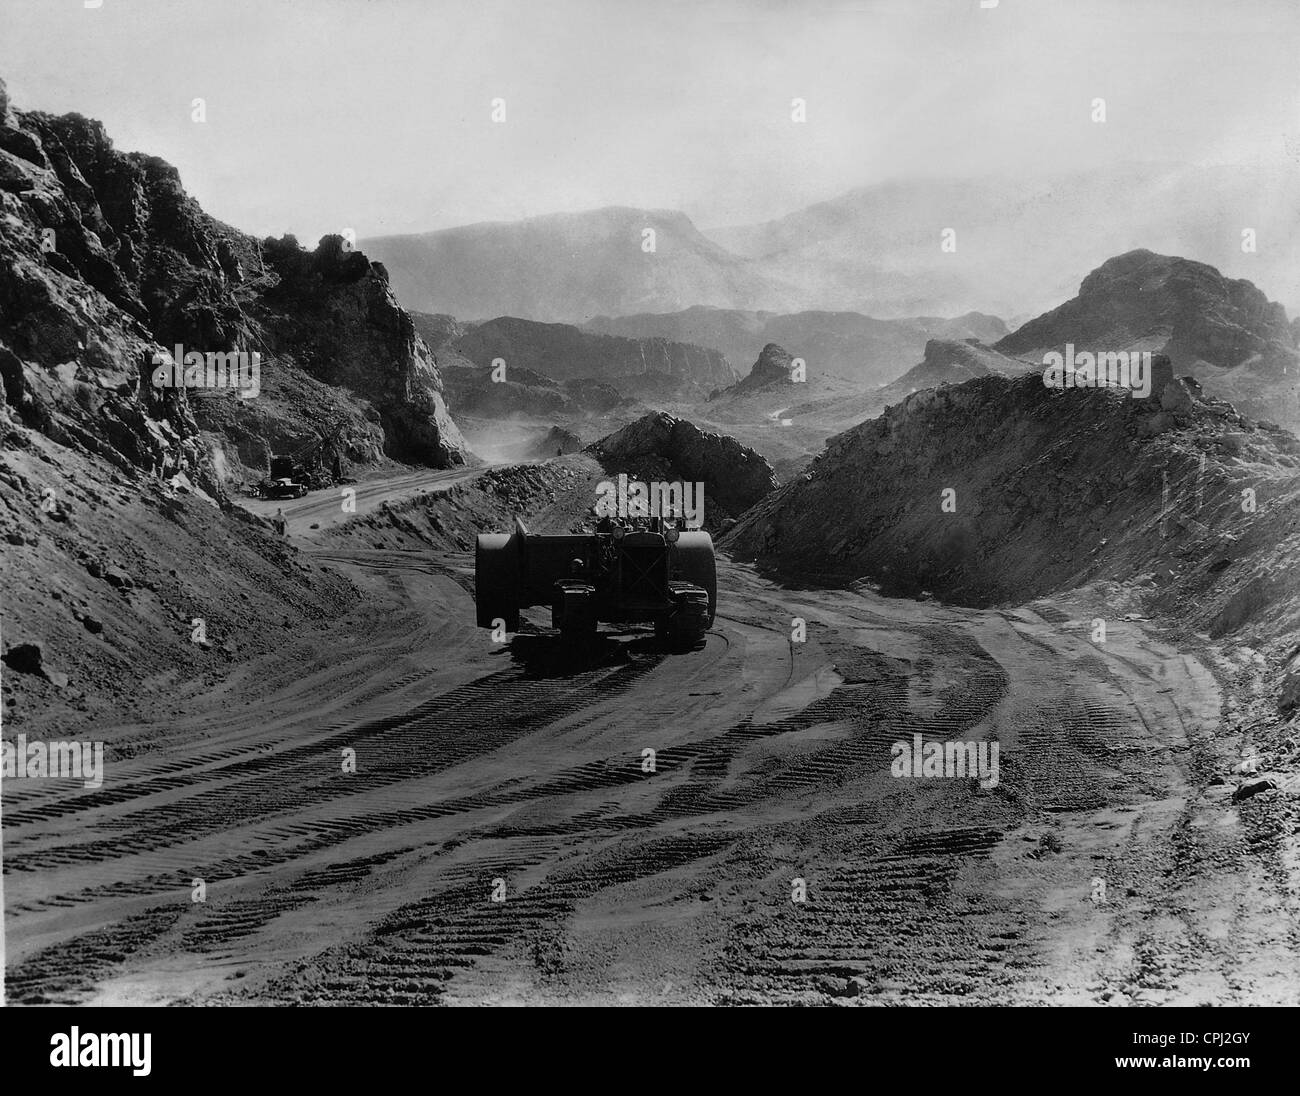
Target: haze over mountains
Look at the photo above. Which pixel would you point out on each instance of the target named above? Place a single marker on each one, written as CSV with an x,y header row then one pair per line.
x,y
1021,245
568,267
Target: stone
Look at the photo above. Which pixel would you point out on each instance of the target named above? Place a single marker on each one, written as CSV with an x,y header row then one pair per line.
x,y
1248,788
25,658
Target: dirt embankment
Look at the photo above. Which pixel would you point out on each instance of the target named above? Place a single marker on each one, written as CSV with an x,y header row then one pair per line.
x,y
1001,489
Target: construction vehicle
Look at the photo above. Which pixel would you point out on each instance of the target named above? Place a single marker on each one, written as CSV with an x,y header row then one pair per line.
x,y
646,572
308,468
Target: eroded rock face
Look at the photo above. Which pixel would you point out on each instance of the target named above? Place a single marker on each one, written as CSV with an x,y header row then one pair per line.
x,y
662,446
336,314
105,261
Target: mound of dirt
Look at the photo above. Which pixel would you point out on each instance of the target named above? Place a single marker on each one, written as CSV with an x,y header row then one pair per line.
x,y
662,447
1002,489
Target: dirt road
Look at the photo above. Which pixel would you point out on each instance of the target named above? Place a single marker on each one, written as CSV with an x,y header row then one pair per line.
x,y
321,509
505,837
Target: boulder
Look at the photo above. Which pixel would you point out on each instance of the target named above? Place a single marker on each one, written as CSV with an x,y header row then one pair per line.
x,y
1248,788
25,658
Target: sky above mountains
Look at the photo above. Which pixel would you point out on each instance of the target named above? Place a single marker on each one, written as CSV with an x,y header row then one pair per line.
x,y
377,114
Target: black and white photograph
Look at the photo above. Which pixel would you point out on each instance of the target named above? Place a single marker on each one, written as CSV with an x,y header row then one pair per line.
x,y
637,503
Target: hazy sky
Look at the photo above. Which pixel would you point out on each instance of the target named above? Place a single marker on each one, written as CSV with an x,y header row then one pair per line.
x,y
376,114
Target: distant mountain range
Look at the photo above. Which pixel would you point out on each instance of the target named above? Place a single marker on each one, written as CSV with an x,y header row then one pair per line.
x,y
649,366
876,251
845,344
569,267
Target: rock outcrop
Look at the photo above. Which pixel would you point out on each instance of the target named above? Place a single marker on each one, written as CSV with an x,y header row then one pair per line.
x,y
774,368
1237,342
106,261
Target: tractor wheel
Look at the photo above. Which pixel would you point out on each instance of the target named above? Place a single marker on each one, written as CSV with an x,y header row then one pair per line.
x,y
497,561
693,562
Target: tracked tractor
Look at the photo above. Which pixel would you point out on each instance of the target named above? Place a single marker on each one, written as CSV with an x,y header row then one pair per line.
x,y
642,573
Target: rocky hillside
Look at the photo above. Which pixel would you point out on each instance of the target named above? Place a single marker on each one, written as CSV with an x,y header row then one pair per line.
x,y
131,584
1001,489
1226,332
844,344
568,267
105,261
662,447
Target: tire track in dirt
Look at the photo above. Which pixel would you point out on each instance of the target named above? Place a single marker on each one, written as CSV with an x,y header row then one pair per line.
x,y
903,887
472,720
